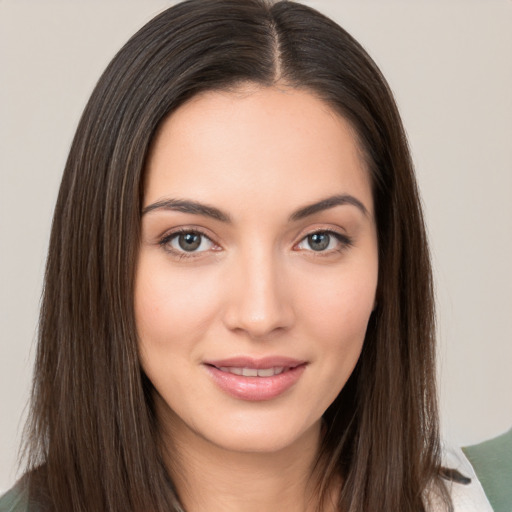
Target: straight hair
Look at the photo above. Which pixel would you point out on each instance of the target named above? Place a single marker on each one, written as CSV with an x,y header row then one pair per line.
x,y
92,441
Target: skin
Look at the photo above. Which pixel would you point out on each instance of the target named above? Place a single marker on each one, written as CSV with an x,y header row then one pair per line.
x,y
254,287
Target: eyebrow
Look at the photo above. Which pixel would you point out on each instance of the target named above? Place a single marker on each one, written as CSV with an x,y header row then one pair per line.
x,y
188,206
327,203
197,208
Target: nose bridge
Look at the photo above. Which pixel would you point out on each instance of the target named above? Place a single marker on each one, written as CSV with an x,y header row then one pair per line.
x,y
258,302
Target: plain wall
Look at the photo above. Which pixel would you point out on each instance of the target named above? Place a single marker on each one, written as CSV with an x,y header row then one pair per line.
x,y
450,66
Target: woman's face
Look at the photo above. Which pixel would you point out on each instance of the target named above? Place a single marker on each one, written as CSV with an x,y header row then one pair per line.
x,y
257,269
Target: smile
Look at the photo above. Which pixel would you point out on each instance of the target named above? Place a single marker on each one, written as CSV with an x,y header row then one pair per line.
x,y
254,372
256,379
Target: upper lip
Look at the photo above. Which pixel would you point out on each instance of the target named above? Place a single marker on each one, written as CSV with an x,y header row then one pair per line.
x,y
256,363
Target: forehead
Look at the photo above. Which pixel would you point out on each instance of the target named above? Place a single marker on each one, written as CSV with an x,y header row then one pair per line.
x,y
267,144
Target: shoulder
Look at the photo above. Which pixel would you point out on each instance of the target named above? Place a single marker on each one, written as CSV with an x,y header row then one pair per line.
x,y
492,462
466,497
15,500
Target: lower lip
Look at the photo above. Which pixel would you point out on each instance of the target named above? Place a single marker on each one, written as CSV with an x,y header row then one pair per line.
x,y
255,388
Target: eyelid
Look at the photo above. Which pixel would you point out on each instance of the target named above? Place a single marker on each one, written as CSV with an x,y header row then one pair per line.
x,y
341,236
164,240
345,241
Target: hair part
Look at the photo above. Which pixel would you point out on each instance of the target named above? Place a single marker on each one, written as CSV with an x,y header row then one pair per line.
x,y
93,440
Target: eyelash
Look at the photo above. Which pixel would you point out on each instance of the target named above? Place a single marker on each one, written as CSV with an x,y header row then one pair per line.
x,y
165,242
344,241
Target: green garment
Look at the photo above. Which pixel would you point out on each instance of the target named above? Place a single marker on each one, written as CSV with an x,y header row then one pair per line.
x,y
14,500
492,462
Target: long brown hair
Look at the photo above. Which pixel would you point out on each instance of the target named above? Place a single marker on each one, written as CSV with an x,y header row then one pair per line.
x,y
92,441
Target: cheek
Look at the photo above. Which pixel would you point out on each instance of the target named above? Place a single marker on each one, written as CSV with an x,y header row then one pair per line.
x,y
338,308
171,308
336,312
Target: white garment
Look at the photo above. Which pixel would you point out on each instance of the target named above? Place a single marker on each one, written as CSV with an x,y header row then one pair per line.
x,y
465,498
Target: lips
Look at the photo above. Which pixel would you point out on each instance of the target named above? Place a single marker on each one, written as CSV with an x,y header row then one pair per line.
x,y
254,372
255,379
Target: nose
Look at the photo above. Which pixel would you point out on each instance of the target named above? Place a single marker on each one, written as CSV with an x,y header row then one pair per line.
x,y
260,302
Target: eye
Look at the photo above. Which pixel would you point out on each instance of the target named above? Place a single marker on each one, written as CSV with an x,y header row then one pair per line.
x,y
324,241
187,242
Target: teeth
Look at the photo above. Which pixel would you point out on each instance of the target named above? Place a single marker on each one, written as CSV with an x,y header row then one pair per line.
x,y
266,373
253,372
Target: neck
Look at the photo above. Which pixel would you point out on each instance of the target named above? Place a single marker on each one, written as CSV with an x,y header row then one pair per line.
x,y
211,479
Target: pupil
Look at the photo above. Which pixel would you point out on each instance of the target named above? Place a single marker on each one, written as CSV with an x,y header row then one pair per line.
x,y
319,241
189,241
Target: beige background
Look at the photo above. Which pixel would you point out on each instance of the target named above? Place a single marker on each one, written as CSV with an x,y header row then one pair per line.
x,y
450,65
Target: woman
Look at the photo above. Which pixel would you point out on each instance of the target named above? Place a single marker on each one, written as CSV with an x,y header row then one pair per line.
x,y
238,304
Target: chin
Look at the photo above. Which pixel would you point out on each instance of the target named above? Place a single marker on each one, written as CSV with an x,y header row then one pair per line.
x,y
264,437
